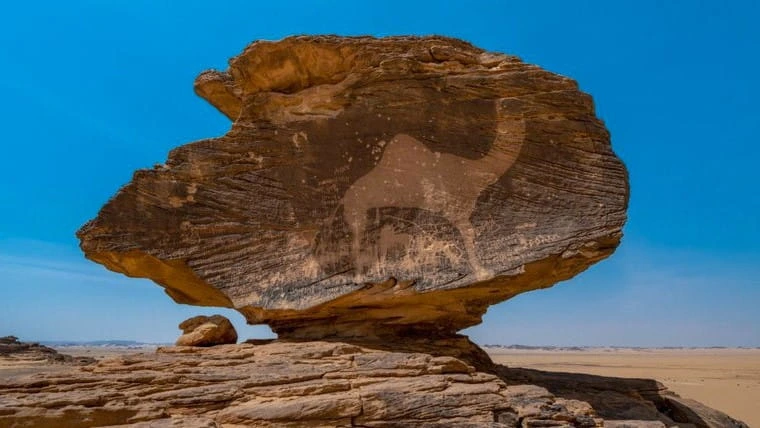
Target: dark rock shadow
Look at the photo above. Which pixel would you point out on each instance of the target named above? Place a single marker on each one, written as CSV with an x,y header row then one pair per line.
x,y
616,398
634,401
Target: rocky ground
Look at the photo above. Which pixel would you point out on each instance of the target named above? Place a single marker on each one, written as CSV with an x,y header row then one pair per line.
x,y
12,351
726,379
323,383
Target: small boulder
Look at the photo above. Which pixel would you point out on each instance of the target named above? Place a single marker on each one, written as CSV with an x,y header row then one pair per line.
x,y
207,331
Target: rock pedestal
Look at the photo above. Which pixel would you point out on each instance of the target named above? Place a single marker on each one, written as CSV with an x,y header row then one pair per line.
x,y
372,188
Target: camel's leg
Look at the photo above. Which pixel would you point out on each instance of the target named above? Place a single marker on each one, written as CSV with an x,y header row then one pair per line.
x,y
355,216
468,236
357,223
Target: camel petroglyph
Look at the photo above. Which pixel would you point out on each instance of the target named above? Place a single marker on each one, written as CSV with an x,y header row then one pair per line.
x,y
410,175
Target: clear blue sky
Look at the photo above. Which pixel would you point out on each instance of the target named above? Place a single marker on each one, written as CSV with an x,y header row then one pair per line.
x,y
93,90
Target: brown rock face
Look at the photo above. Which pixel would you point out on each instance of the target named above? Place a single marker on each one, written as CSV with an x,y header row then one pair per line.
x,y
372,187
333,384
207,331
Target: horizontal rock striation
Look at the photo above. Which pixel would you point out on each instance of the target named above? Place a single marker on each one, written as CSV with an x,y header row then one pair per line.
x,y
372,187
333,384
13,351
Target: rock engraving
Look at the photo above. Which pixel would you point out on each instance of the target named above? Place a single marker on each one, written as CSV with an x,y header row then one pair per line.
x,y
411,175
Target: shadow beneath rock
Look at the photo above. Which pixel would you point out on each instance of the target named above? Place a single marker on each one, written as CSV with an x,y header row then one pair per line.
x,y
616,398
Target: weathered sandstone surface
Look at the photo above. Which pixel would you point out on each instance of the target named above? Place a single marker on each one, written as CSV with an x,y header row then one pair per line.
x,y
207,331
12,351
372,187
333,384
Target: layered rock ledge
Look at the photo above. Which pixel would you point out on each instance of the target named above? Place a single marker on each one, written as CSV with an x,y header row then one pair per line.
x,y
13,351
372,188
335,384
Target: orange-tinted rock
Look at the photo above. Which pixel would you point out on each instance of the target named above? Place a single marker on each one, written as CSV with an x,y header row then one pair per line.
x,y
207,331
372,187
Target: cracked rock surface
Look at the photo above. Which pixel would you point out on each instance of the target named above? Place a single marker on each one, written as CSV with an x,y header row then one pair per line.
x,y
334,384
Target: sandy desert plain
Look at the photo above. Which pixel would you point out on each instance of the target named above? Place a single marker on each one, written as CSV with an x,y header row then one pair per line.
x,y
727,379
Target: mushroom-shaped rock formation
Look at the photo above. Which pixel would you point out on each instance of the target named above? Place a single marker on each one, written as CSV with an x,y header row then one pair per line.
x,y
372,187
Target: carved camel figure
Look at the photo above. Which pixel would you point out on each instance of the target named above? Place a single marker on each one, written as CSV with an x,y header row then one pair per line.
x,y
410,175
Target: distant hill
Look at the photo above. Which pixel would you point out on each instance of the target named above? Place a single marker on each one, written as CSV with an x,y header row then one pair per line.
x,y
538,348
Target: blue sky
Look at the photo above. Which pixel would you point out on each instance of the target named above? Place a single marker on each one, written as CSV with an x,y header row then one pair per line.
x,y
96,89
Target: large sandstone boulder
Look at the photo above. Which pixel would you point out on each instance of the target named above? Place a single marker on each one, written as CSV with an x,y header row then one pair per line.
x,y
372,187
207,331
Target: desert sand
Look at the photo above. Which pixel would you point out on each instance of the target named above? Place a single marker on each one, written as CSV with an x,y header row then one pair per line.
x,y
725,379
